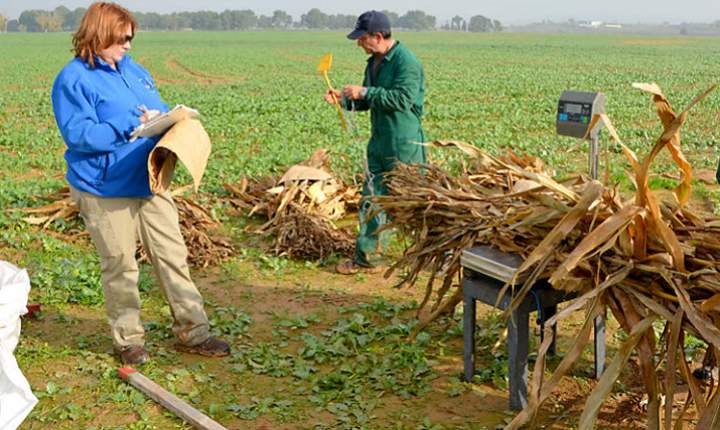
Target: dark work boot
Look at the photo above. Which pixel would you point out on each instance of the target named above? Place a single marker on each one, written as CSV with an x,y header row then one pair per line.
x,y
703,373
133,355
211,347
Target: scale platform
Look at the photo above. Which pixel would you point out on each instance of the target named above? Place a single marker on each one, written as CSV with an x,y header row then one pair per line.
x,y
493,262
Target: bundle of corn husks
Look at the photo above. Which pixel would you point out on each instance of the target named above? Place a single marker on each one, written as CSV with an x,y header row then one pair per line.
x,y
196,224
300,208
643,259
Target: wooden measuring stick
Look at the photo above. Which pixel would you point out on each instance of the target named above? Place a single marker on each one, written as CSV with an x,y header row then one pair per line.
x,y
168,400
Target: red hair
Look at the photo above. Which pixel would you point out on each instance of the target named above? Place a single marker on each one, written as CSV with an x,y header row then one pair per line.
x,y
103,25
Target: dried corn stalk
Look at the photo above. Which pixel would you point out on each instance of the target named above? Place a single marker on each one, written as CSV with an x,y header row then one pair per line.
x,y
644,259
196,225
300,208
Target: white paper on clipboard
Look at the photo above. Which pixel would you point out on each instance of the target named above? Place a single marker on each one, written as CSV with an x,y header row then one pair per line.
x,y
161,123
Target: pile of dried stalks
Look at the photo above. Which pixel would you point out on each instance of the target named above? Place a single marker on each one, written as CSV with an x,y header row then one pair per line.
x,y
196,224
301,208
645,260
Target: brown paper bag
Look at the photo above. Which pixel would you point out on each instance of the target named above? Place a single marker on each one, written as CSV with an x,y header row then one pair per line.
x,y
188,141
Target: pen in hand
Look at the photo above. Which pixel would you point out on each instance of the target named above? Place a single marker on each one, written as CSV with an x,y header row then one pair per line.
x,y
148,114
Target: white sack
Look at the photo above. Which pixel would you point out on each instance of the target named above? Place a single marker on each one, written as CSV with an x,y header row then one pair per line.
x,y
16,397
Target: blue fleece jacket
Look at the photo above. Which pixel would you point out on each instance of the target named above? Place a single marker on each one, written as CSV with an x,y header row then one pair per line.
x,y
96,109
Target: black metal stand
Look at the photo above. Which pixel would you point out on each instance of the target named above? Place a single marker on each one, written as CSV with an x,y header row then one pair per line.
x,y
477,286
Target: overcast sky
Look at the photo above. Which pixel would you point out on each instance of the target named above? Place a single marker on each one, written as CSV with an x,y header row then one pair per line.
x,y
507,11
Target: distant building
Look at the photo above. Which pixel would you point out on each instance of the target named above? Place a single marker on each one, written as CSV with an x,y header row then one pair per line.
x,y
590,24
596,24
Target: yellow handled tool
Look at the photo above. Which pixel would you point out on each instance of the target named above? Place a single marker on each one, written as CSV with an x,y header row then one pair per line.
x,y
323,67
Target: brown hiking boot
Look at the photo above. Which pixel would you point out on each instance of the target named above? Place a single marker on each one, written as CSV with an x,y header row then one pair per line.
x,y
350,267
211,347
133,355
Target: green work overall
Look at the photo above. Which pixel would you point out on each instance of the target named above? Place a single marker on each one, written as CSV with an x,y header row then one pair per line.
x,y
395,90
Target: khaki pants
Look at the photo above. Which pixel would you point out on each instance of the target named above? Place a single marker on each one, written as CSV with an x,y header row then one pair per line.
x,y
114,225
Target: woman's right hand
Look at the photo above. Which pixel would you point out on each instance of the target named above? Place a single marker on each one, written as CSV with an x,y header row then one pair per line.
x,y
148,115
329,96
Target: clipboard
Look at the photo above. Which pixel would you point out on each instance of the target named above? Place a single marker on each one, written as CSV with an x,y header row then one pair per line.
x,y
161,123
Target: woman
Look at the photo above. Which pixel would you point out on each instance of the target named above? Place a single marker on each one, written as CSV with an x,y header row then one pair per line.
x,y
99,98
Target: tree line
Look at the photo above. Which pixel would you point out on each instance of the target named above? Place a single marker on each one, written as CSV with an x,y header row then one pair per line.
x,y
477,23
63,19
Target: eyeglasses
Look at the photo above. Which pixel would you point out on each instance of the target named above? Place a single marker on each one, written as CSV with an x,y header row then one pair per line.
x,y
126,39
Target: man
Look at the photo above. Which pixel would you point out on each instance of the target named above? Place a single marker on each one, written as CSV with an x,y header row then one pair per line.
x,y
393,90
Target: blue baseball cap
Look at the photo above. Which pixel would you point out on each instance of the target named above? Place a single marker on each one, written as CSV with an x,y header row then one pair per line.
x,y
370,22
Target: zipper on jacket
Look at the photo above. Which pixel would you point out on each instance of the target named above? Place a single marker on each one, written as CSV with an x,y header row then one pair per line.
x,y
127,84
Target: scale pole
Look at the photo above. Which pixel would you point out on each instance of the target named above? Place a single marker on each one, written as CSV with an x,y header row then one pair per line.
x,y
575,112
594,160
599,332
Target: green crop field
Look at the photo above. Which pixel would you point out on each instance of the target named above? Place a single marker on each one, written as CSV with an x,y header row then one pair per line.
x,y
311,349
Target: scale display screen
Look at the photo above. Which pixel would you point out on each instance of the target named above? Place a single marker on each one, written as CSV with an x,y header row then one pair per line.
x,y
573,108
574,112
